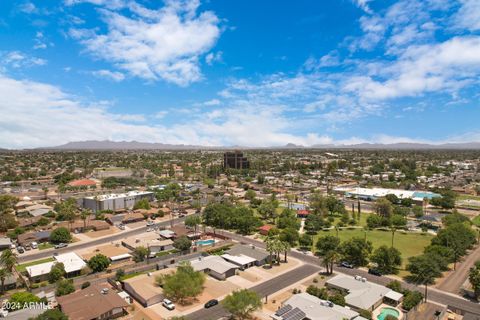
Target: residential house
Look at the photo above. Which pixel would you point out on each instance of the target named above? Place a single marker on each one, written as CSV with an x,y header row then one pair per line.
x,y
96,302
363,294
214,266
29,237
259,256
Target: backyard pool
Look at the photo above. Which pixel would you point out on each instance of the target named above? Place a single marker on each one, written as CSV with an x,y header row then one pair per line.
x,y
205,242
386,312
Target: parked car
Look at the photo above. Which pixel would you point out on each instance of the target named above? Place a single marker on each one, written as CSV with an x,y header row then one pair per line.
x,y
345,264
34,245
149,223
61,245
375,272
121,226
20,249
168,304
211,303
149,229
27,247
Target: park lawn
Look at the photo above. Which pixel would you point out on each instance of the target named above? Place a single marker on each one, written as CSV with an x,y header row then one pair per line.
x,y
409,244
22,267
467,197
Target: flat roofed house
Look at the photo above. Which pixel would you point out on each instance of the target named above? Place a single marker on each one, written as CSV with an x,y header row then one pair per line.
x,y
261,256
29,237
39,272
305,306
151,241
143,288
5,243
94,302
362,294
72,262
214,266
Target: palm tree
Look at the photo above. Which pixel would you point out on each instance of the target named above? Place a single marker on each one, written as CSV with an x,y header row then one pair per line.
x,y
393,229
8,259
286,248
4,273
270,243
84,216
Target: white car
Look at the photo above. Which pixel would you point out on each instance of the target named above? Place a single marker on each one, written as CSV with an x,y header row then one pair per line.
x,y
149,229
168,304
34,245
150,223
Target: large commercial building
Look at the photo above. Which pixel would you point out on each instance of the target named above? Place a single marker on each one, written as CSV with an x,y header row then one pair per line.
x,y
371,194
116,201
235,160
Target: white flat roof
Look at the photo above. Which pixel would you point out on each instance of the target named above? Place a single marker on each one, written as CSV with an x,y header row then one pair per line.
x,y
40,269
119,195
121,257
214,263
71,261
240,259
394,295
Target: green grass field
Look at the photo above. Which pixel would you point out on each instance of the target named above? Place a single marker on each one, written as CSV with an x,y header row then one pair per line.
x,y
22,267
46,245
409,244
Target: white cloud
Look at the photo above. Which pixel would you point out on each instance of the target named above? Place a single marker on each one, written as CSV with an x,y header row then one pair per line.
x,y
468,16
28,8
363,4
155,44
213,57
447,66
111,75
17,59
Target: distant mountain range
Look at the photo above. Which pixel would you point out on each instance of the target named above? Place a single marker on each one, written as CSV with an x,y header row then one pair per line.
x,y
135,145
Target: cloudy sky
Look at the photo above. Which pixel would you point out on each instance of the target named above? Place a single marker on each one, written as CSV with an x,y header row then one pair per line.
x,y
239,72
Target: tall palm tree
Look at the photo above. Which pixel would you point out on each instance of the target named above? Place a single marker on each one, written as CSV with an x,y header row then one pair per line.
x,y
393,229
286,247
8,259
84,215
270,243
4,273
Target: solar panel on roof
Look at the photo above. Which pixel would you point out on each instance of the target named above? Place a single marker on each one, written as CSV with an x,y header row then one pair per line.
x,y
295,314
283,310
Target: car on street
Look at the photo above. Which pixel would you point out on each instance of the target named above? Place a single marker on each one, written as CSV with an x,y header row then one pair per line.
x,y
168,304
61,245
345,264
375,272
211,303
149,229
149,223
121,226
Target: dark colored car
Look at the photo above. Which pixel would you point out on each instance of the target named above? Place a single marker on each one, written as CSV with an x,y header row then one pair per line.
x,y
345,264
211,303
375,272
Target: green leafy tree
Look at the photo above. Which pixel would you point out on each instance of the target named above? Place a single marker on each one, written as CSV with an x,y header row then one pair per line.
x,y
64,287
290,236
383,207
52,314
140,253
327,249
98,262
56,273
242,303
356,251
182,243
387,259
184,283
4,273
193,221
305,242
459,237
142,204
423,271
60,235
474,278
21,298
411,300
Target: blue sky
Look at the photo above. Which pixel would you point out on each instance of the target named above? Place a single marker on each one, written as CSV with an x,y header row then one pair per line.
x,y
252,73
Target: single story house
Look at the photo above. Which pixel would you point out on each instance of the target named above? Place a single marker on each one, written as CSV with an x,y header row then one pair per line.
x,y
115,252
362,294
95,225
305,306
214,266
261,256
5,243
150,241
143,288
71,261
29,237
97,301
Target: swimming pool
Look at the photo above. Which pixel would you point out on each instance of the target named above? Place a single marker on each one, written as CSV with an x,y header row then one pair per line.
x,y
388,311
205,242
425,194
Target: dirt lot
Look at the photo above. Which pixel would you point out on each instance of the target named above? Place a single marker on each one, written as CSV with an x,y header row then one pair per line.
x,y
101,233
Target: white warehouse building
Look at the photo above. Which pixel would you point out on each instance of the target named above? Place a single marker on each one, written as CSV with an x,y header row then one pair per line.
x,y
116,201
